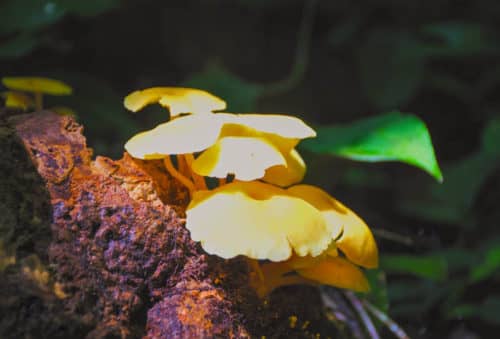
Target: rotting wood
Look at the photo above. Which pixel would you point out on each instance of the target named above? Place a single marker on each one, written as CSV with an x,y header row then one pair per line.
x,y
121,263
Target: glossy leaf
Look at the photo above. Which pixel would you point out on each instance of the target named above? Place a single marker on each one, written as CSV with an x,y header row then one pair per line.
x,y
390,137
452,201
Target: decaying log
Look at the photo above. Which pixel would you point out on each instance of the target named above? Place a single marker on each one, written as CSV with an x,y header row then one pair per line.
x,y
97,249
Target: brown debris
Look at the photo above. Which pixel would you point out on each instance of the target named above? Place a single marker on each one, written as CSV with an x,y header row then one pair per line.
x,y
119,253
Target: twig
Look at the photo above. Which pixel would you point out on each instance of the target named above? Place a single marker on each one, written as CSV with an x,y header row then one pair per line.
x,y
391,324
365,319
385,234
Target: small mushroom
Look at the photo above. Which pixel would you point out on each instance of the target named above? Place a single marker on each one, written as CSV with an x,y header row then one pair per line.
x,y
188,134
292,172
17,100
258,220
38,86
246,157
282,130
177,99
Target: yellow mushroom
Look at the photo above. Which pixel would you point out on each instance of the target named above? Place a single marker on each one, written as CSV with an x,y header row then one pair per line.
x,y
247,157
282,130
323,269
352,235
38,86
231,144
293,171
17,100
258,220
188,134
338,272
349,234
177,99
306,235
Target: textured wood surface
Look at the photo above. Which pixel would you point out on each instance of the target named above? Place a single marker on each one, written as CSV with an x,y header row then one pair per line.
x,y
101,251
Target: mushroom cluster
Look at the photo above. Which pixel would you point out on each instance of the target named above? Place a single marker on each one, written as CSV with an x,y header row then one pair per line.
x,y
291,233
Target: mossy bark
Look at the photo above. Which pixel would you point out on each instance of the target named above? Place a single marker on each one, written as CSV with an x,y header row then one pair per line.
x,y
101,251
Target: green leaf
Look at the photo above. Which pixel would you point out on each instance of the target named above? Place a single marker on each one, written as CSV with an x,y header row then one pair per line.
x,y
487,311
489,266
391,67
430,267
389,137
458,259
491,139
452,201
240,95
378,289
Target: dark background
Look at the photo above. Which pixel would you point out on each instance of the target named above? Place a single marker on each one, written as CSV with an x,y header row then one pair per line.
x,y
327,62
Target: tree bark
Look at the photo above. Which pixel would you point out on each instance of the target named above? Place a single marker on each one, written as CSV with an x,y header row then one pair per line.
x,y
98,249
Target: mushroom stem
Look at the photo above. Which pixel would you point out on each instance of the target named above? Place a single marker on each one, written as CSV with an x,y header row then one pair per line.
x,y
254,265
38,101
179,176
182,165
199,181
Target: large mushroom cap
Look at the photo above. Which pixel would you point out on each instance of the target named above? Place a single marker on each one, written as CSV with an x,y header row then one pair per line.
x,y
352,235
37,84
177,99
257,220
